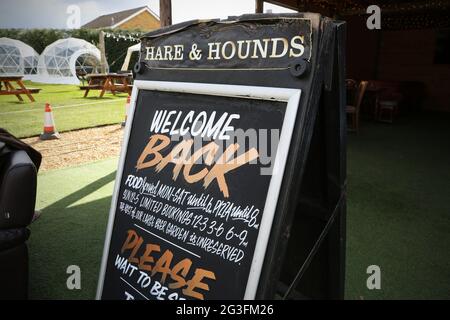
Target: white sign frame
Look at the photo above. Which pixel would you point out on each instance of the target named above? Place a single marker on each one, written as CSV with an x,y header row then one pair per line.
x,y
290,96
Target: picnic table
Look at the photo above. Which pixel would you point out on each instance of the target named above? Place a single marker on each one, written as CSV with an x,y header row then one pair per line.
x,y
6,87
113,82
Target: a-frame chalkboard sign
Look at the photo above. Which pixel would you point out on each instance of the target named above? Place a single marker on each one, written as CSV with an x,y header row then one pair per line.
x,y
233,159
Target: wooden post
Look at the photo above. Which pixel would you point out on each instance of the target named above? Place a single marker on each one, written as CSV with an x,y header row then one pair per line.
x,y
165,12
101,46
259,6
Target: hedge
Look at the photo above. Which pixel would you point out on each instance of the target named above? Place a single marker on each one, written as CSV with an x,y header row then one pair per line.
x,y
115,50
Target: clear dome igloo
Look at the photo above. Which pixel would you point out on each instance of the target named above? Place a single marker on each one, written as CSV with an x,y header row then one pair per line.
x,y
17,58
66,59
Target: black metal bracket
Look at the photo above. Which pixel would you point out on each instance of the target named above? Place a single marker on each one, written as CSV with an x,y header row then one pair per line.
x,y
139,67
316,246
299,68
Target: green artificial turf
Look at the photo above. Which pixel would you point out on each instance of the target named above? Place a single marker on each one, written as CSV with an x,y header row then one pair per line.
x,y
70,109
71,230
399,208
398,215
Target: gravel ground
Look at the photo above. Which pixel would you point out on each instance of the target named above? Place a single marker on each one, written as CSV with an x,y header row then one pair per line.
x,y
78,147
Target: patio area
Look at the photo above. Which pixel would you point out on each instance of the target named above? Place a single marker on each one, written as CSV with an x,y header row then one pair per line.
x,y
398,219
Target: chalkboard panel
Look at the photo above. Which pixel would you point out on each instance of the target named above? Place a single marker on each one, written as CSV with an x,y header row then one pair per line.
x,y
189,227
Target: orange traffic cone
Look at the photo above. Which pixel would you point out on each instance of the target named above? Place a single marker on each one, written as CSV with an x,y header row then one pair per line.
x,y
127,107
49,125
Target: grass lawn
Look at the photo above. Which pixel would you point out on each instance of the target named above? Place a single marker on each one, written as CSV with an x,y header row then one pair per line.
x,y
398,215
70,109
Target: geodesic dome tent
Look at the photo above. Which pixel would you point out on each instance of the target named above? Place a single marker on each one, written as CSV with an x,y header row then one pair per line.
x,y
65,60
17,58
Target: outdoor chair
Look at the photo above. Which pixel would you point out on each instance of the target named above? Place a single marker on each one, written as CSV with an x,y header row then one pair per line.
x,y
388,105
18,178
353,110
351,86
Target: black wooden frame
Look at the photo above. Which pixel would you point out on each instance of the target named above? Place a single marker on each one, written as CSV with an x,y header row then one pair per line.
x,y
312,200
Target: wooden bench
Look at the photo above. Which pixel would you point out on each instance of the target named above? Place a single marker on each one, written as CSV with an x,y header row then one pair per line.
x,y
112,82
34,90
121,88
19,91
90,87
6,87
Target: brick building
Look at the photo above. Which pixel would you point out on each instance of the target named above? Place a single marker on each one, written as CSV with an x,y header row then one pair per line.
x,y
141,18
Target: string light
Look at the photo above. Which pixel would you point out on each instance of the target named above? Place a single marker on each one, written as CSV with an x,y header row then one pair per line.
x,y
401,15
127,37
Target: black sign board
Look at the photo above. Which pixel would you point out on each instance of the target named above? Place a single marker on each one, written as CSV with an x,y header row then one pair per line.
x,y
214,151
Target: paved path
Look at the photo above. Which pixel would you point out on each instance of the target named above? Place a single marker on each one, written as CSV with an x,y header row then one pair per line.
x,y
79,147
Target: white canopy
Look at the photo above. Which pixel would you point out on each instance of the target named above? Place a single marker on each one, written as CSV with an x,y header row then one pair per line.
x,y
17,58
130,50
66,59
